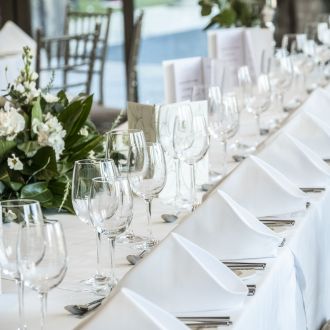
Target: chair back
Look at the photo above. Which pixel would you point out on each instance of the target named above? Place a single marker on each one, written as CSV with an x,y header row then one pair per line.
x,y
68,54
132,82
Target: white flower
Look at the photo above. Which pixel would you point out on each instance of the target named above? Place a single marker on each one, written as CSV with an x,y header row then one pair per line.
x,y
49,98
14,163
50,133
11,122
91,154
84,131
10,215
34,76
20,88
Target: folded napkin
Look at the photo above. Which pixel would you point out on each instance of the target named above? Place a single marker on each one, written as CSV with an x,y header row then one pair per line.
x,y
228,231
129,311
13,39
297,162
311,131
182,278
318,104
263,190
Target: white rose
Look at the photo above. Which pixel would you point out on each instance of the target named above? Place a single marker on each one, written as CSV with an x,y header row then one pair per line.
x,y
20,88
49,98
34,76
11,122
14,163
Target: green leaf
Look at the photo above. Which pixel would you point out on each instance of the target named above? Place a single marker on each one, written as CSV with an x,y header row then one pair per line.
x,y
38,191
226,18
44,164
5,147
74,116
81,152
36,111
29,148
57,188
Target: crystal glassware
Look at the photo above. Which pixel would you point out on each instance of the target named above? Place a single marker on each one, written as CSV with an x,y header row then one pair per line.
x,y
191,142
12,214
42,258
110,206
150,183
128,148
83,173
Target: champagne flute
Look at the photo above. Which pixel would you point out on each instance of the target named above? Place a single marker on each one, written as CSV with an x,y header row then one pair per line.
x,y
83,173
107,197
128,149
42,258
12,214
191,142
150,183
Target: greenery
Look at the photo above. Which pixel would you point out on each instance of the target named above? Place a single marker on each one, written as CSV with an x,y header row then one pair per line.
x,y
41,136
227,13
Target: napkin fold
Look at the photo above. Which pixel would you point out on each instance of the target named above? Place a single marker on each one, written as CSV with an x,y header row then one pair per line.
x,y
263,190
297,162
130,311
182,278
318,104
13,39
228,231
312,132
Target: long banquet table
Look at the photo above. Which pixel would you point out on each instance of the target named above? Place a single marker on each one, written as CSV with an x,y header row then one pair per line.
x,y
293,292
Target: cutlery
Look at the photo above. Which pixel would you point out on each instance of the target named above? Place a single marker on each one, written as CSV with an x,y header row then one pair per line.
x,y
206,187
204,318
238,158
252,289
207,325
312,189
85,308
169,218
133,259
277,222
245,266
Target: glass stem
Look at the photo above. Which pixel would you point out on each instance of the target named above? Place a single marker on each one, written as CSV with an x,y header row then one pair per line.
x,y
258,123
43,303
112,248
224,158
193,186
281,101
177,178
20,294
98,254
149,225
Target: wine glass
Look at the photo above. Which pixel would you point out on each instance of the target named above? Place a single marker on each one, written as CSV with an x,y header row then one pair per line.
x,y
12,213
280,76
127,148
42,258
83,173
166,119
191,142
150,183
257,96
223,120
107,197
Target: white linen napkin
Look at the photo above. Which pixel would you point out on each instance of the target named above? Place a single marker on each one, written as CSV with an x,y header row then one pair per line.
x,y
228,231
297,162
182,278
13,39
318,104
263,190
311,131
128,310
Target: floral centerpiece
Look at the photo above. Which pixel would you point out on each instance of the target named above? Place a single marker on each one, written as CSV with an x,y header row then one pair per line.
x,y
41,135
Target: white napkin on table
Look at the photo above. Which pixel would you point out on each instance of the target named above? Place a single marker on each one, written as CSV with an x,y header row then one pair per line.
x,y
182,278
228,231
311,131
128,310
263,190
297,162
318,104
13,39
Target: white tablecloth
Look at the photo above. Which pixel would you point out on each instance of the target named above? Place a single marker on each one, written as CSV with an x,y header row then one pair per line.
x,y
292,293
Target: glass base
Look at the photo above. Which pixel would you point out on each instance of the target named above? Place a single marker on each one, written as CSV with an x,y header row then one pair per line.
x,y
130,238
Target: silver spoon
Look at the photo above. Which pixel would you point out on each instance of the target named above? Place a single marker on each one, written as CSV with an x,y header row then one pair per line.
x,y
169,218
83,309
134,259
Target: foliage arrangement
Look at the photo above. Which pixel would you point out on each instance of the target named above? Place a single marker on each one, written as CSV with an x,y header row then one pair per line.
x,y
41,136
233,12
